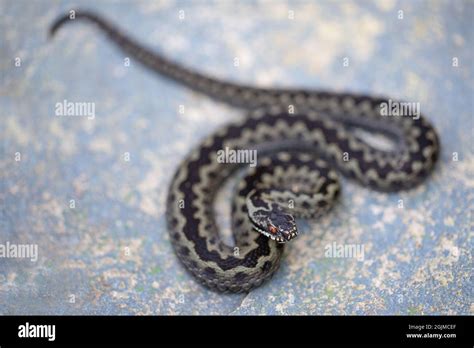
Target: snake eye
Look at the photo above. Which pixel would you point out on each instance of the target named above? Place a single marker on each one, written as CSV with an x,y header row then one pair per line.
x,y
272,229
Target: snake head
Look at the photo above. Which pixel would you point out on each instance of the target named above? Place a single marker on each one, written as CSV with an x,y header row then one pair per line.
x,y
275,224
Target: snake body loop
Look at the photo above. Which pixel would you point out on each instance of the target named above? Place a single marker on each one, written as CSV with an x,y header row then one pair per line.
x,y
298,154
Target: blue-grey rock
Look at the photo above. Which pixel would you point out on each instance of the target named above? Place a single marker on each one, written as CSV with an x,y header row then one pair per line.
x,y
108,252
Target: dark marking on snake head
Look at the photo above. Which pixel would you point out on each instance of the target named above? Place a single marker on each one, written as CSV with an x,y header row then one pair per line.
x,y
266,266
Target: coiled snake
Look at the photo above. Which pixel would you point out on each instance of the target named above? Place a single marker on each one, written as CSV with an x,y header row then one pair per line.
x,y
299,136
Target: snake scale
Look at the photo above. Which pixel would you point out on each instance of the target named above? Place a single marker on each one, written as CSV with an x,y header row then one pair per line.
x,y
302,137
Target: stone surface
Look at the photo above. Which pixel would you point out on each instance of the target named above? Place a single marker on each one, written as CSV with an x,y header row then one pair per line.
x,y
111,254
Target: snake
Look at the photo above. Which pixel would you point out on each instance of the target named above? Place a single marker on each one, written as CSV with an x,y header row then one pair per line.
x,y
302,140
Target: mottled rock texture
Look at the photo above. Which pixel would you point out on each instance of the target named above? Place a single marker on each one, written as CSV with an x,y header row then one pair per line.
x,y
110,254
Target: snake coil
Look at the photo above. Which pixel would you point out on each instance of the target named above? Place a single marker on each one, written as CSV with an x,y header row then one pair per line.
x,y
295,177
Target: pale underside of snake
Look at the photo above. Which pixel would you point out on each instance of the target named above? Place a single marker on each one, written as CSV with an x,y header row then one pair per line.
x,y
302,137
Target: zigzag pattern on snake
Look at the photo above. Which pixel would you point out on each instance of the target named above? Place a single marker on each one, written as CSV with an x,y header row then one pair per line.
x,y
298,155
